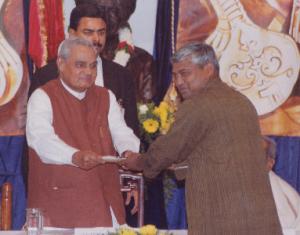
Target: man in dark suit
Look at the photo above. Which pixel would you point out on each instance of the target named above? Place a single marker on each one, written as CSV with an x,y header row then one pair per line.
x,y
120,47
89,22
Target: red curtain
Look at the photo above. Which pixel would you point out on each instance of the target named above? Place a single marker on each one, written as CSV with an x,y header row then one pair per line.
x,y
46,27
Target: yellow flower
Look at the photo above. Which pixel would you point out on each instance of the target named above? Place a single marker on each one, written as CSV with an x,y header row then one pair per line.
x,y
151,125
163,116
164,105
165,127
156,111
162,112
126,231
148,230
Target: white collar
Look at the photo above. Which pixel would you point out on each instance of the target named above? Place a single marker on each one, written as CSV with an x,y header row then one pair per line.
x,y
99,78
77,94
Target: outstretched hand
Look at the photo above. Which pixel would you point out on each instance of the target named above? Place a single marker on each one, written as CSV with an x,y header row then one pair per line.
x,y
130,161
86,160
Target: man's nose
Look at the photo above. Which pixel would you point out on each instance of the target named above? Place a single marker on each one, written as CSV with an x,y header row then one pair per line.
x,y
96,37
88,70
178,80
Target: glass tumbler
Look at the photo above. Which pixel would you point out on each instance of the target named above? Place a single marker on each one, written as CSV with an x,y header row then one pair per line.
x,y
34,221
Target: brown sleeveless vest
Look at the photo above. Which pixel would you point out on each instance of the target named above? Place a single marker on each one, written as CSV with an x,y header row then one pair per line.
x,y
69,196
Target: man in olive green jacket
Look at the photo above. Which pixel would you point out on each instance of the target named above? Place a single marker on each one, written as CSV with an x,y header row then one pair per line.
x,y
216,131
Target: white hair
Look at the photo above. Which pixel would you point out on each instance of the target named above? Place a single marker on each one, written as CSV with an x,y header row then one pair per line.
x,y
67,44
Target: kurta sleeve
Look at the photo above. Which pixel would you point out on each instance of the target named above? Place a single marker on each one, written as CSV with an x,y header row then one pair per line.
x,y
123,137
40,132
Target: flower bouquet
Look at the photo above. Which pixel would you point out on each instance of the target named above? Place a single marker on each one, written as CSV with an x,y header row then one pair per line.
x,y
144,230
154,121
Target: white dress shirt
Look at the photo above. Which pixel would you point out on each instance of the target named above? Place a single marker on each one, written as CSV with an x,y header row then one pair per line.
x,y
53,150
99,78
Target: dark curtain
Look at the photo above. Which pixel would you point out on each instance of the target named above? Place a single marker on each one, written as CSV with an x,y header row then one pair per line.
x,y
26,22
154,203
288,159
163,44
175,202
155,212
11,151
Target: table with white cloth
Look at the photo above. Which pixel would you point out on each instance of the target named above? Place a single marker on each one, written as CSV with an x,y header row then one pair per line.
x,y
105,231
94,231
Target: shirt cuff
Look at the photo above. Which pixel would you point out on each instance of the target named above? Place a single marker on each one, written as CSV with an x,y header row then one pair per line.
x,y
69,155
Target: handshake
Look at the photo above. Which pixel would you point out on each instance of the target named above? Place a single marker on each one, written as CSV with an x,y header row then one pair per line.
x,y
87,160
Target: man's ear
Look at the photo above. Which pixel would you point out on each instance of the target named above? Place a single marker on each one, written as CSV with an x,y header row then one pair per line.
x,y
60,63
209,69
71,32
270,163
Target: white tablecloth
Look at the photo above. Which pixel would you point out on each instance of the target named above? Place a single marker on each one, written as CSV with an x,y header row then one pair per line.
x,y
105,230
71,232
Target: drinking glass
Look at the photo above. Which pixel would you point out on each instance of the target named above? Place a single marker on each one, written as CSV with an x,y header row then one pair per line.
x,y
34,221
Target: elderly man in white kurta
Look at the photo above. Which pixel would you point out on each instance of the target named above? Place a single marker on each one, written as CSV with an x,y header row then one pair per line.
x,y
287,199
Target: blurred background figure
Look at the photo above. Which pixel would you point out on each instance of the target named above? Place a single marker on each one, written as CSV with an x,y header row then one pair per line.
x,y
287,200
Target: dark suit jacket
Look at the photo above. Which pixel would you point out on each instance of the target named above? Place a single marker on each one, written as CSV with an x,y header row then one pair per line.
x,y
116,78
